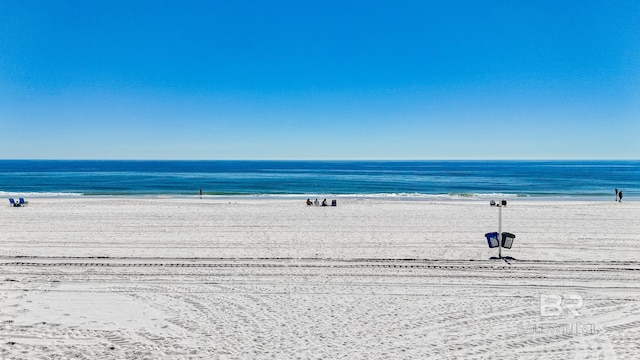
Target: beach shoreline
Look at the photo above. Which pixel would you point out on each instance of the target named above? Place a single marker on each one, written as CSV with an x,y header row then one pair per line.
x,y
349,197
139,277
283,227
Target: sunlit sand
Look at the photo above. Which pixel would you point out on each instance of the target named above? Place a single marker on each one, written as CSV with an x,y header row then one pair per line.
x,y
251,278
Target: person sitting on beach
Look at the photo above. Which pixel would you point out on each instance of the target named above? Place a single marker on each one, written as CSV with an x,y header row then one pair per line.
x,y
309,203
316,203
324,202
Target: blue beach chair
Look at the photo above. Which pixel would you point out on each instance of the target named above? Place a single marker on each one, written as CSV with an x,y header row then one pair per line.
x,y
22,202
13,203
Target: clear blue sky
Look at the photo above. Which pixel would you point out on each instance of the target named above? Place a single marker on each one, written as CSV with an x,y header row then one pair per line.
x,y
319,79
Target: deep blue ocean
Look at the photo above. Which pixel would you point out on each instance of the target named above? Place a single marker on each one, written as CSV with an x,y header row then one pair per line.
x,y
402,179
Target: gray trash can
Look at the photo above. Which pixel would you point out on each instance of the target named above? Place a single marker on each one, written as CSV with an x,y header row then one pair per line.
x,y
507,240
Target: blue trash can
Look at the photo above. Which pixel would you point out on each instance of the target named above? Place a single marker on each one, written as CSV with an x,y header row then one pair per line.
x,y
492,239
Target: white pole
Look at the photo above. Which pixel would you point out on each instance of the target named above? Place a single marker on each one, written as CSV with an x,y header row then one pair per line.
x,y
500,231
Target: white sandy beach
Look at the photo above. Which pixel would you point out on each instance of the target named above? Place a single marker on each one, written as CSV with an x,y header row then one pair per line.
x,y
148,278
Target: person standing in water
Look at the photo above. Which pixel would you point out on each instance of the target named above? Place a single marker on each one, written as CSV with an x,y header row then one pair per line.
x,y
620,196
616,194
200,193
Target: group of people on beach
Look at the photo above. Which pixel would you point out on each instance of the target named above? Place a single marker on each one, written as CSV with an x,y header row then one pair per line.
x,y
618,195
317,203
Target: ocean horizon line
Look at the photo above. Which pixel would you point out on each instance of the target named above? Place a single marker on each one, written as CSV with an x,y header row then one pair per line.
x,y
340,160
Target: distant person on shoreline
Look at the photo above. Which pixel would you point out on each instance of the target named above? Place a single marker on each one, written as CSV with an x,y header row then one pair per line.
x,y
309,203
620,196
616,194
200,193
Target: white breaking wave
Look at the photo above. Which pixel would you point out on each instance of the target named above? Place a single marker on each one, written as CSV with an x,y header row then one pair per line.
x,y
38,194
390,196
